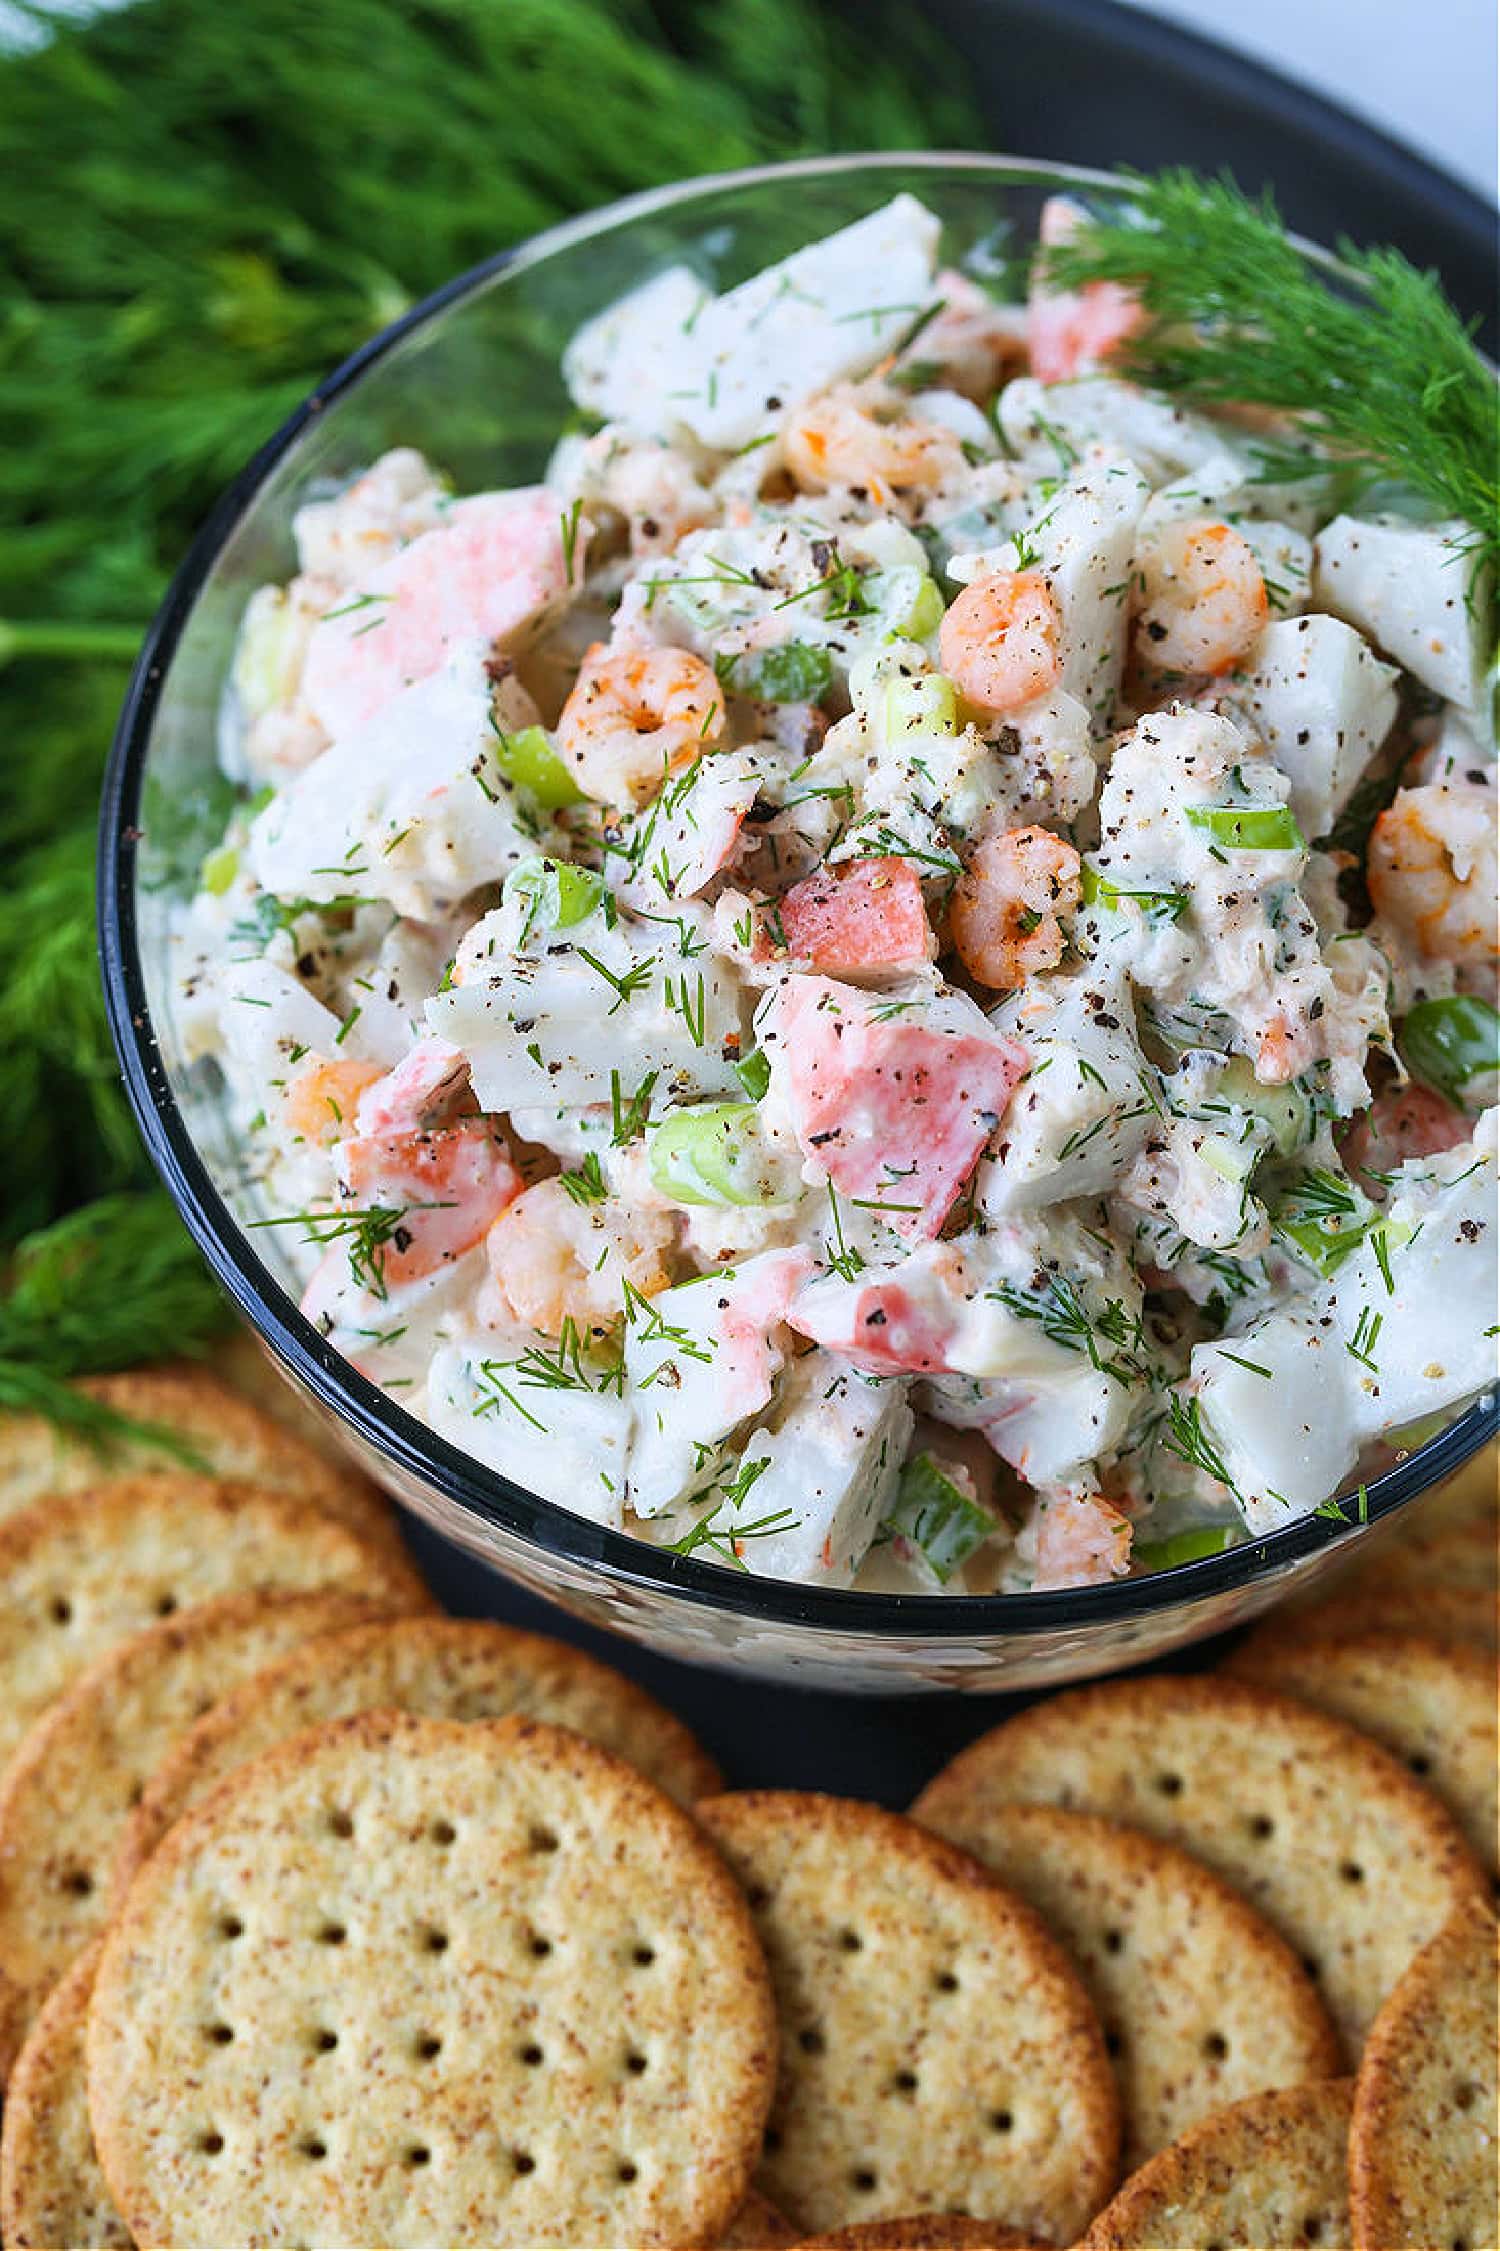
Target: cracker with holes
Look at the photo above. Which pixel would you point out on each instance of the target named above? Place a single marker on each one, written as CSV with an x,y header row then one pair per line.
x,y
926,2231
1200,2001
53,2194
937,2050
80,1572
69,1791
1433,1706
226,1435
1344,1853
1423,2145
437,1668
1267,2171
409,1981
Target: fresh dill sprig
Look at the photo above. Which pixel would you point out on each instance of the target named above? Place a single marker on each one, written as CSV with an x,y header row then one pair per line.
x,y
1383,374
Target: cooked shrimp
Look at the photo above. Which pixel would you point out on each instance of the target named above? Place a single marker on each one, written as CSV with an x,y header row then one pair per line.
x,y
999,640
864,436
1007,904
635,713
1432,870
1070,331
1205,599
553,1260
1287,1046
319,1102
1081,1540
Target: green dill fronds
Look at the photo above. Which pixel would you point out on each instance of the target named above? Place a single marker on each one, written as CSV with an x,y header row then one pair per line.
x,y
1382,373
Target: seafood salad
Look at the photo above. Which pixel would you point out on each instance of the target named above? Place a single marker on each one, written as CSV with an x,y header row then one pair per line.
x,y
887,978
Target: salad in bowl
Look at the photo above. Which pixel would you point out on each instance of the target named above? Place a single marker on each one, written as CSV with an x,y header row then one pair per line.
x,y
887,978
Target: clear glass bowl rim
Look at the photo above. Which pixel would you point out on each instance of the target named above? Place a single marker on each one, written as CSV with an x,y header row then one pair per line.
x,y
401,1438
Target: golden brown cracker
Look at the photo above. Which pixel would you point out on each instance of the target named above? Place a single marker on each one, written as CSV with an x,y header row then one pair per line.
x,y
435,1668
81,1571
936,2047
70,1789
1201,2002
415,1981
758,2226
1263,2175
1422,2147
53,2194
1343,1852
227,1436
1446,1614
1433,1706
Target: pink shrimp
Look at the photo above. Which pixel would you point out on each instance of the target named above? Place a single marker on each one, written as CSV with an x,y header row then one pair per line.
x,y
491,569
864,436
447,1189
1431,869
1204,601
1000,640
1007,904
896,1112
553,1260
1071,331
635,714
320,1099
1081,1540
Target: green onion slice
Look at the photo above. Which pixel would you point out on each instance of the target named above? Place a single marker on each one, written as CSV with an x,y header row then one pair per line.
x,y
528,759
1249,828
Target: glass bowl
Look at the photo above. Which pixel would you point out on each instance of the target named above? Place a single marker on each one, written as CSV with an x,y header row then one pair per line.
x,y
471,377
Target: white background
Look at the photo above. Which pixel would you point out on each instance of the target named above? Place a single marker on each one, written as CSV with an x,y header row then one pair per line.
x,y
1425,70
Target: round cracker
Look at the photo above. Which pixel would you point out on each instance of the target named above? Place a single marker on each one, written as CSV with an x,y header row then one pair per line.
x,y
81,1571
228,1435
936,2046
68,1792
1448,1614
1201,2003
925,2231
1434,1707
1267,2171
408,1981
1438,1555
435,1668
1422,2148
1349,1858
53,2194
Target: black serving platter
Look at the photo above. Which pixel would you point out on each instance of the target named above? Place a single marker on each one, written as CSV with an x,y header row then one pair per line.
x,y
1097,85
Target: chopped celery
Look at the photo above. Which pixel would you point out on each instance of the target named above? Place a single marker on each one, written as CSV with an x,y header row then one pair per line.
x,y
1287,1112
1183,1547
939,1519
528,759
1249,828
907,599
925,704
1232,1161
1159,906
754,1073
557,894
1452,1042
713,1153
794,672
220,870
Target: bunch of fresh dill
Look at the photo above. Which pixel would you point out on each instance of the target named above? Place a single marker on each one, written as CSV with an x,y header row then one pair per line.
x,y
1378,370
205,209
